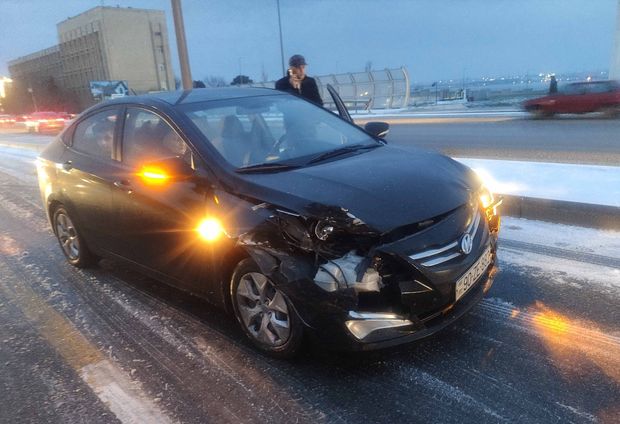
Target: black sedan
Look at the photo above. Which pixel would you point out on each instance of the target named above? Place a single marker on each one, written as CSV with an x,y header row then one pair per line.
x,y
282,212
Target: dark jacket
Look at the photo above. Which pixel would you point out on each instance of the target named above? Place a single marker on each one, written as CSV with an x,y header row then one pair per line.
x,y
309,89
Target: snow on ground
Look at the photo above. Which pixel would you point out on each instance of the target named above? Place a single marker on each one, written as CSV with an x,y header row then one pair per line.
x,y
19,163
593,184
577,239
555,269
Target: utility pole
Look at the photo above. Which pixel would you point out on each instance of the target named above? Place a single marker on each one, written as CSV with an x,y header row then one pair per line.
x,y
281,45
179,29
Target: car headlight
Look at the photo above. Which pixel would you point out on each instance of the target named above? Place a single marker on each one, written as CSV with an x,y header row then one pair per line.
x,y
323,229
486,197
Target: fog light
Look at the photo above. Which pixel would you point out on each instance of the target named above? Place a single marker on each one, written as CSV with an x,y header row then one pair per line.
x,y
210,229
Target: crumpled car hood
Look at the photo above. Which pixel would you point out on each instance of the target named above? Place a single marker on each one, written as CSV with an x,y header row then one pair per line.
x,y
385,188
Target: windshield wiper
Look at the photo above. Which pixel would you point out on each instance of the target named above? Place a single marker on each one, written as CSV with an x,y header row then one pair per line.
x,y
266,167
342,151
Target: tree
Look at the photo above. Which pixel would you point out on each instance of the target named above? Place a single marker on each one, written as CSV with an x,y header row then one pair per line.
x,y
241,80
214,81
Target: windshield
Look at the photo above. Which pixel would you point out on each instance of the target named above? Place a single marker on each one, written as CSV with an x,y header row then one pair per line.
x,y
273,129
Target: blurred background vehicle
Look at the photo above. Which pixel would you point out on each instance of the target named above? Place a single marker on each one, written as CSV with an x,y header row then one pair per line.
x,y
579,97
46,121
6,120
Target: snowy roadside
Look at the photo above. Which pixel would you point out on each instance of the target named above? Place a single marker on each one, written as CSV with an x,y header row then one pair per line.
x,y
598,185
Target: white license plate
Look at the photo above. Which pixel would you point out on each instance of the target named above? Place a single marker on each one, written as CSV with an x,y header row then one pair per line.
x,y
468,279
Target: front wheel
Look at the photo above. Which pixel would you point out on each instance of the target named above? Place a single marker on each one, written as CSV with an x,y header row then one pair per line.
x,y
264,313
71,241
611,111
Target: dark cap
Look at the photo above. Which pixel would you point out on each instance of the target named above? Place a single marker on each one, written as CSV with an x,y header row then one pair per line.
x,y
296,61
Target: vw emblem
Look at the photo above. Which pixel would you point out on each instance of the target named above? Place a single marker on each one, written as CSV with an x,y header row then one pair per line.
x,y
466,244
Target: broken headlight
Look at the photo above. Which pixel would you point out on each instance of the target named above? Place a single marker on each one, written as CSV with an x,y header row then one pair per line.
x,y
489,204
323,229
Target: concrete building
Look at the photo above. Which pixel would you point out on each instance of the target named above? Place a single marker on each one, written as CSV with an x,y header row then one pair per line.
x,y
37,75
106,43
614,69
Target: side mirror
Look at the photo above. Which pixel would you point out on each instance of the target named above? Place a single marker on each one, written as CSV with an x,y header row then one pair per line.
x,y
379,129
165,170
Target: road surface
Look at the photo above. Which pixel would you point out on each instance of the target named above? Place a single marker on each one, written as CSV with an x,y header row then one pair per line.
x,y
573,139
110,345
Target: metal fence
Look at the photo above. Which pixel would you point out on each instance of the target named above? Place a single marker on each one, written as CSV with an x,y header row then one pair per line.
x,y
385,89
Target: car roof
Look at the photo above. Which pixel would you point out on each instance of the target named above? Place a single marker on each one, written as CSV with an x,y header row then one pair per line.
x,y
196,95
611,82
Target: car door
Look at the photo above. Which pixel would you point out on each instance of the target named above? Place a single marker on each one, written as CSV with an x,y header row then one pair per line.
x,y
87,172
342,109
158,221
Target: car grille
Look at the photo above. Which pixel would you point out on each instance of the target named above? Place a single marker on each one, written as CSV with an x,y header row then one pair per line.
x,y
441,254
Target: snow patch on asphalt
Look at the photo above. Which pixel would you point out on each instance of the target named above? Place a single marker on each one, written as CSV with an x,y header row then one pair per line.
x,y
578,239
454,393
560,271
123,396
577,412
19,163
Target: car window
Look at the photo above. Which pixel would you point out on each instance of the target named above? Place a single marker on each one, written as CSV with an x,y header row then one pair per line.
x,y
573,89
148,137
95,134
599,88
257,130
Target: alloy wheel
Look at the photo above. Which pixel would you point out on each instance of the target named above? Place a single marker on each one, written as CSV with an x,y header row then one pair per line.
x,y
263,310
68,237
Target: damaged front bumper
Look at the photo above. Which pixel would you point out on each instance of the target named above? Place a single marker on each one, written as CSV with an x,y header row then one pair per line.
x,y
399,292
368,331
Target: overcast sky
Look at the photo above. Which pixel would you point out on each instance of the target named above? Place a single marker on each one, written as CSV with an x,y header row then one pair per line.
x,y
434,39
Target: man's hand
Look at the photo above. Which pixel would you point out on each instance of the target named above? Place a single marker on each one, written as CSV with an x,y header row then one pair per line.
x,y
295,82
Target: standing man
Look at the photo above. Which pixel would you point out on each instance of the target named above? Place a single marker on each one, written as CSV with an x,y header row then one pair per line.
x,y
553,85
297,82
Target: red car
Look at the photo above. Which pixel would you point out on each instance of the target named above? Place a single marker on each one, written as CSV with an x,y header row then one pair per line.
x,y
579,97
46,121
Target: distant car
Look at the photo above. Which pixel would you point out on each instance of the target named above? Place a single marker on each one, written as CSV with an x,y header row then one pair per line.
x,y
42,122
292,217
579,97
6,120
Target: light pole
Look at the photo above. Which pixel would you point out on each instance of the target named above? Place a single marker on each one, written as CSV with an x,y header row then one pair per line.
x,y
34,102
179,28
281,45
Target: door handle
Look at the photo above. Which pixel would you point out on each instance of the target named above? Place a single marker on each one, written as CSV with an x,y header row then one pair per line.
x,y
67,166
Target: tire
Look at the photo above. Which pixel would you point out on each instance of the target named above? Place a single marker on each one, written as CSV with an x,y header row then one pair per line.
x,y
611,111
264,313
71,241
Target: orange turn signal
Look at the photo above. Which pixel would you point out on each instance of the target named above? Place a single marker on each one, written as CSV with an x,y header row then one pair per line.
x,y
210,229
152,175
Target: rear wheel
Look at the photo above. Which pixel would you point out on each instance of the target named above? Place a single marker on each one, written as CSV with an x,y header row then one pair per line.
x,y
264,313
71,241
